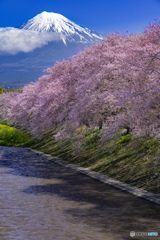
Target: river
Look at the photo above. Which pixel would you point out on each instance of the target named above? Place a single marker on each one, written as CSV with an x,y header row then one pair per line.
x,y
42,200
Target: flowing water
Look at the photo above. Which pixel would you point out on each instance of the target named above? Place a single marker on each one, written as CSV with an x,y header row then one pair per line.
x,y
41,200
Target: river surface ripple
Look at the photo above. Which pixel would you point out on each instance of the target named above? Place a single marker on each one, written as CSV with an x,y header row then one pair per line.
x,y
41,200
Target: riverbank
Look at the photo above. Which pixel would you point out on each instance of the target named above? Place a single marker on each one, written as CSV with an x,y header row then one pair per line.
x,y
139,192
131,160
125,158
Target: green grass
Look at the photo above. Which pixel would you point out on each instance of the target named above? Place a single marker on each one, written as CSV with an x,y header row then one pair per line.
x,y
10,136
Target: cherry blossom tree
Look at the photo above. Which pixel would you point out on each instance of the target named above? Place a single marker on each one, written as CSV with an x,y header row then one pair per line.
x,y
114,84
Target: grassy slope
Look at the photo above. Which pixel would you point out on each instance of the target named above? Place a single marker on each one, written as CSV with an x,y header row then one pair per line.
x,y
131,160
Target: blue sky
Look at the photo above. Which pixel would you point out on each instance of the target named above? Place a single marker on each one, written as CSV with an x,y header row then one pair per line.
x,y
104,16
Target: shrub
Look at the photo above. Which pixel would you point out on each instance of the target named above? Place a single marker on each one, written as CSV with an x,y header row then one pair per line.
x,y
10,136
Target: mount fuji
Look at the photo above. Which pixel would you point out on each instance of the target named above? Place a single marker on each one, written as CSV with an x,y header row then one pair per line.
x,y
38,44
54,22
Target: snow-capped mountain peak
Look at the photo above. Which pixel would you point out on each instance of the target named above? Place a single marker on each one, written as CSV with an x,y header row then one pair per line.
x,y
38,44
54,22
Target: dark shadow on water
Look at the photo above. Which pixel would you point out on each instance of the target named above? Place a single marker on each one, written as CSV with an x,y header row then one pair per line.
x,y
109,209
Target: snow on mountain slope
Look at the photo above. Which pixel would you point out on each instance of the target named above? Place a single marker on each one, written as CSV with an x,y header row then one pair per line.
x,y
54,22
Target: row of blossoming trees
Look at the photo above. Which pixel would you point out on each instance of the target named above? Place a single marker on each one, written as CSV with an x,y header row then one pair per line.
x,y
114,84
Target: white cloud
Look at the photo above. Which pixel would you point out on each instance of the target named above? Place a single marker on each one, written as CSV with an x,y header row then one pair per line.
x,y
13,40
